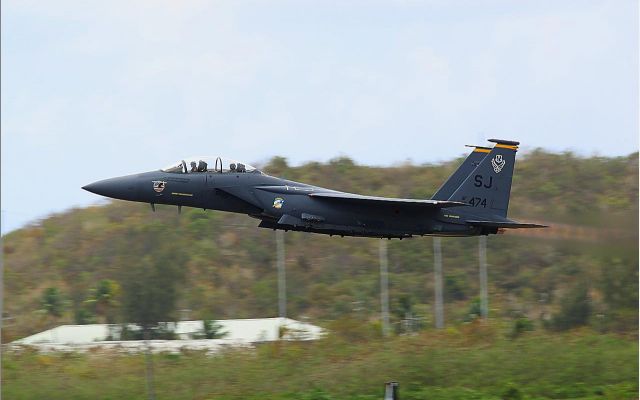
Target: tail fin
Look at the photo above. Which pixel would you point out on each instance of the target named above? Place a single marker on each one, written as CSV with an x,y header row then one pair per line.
x,y
488,187
455,180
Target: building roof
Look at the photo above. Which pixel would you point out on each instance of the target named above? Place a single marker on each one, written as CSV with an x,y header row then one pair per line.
x,y
239,331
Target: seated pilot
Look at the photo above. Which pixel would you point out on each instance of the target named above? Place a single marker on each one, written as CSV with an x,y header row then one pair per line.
x,y
202,166
241,168
193,166
232,167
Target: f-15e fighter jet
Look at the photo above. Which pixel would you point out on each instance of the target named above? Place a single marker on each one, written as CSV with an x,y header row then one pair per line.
x,y
473,201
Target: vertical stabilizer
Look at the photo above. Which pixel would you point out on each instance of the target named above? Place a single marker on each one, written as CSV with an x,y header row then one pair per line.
x,y
455,180
488,187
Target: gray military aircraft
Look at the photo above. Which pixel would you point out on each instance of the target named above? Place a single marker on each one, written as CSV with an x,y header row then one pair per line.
x,y
473,201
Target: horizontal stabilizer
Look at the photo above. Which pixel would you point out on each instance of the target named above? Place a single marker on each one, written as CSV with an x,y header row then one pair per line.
x,y
505,224
389,201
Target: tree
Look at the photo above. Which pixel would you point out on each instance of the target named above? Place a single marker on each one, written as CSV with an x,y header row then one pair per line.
x,y
475,310
277,166
103,299
455,287
575,309
212,330
619,286
52,302
150,284
82,316
150,293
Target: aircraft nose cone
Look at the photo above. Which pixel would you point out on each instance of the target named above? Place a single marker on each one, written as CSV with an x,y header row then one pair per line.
x,y
93,187
117,188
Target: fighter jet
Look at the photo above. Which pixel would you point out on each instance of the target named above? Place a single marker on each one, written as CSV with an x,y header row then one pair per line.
x,y
473,201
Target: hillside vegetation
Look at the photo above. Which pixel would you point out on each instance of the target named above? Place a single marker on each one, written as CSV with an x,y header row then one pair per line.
x,y
217,265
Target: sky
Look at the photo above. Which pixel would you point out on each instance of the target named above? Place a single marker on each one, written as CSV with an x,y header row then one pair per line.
x,y
97,89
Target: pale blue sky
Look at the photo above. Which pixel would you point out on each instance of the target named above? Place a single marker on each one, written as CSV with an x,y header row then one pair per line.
x,y
94,89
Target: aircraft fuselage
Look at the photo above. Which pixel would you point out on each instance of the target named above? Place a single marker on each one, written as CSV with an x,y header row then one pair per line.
x,y
281,204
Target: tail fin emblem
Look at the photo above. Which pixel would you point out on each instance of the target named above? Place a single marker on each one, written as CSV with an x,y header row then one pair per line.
x,y
498,163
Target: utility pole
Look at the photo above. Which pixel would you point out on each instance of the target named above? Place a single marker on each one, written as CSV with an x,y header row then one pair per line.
x,y
484,297
148,354
384,287
148,357
437,269
282,289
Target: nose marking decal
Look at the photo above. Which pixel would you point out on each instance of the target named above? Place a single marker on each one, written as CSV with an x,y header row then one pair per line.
x,y
278,202
158,186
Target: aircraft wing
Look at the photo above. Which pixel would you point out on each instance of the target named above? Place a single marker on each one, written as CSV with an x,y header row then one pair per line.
x,y
387,201
506,224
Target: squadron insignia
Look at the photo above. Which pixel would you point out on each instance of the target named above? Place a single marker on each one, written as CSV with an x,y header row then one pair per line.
x,y
278,202
158,186
498,163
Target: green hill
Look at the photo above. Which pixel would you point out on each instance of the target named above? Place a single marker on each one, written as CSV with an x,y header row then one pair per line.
x,y
222,266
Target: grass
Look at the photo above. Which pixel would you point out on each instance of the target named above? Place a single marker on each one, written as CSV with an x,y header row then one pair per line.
x,y
476,363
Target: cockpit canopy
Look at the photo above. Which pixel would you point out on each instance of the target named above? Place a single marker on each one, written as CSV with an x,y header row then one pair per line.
x,y
193,165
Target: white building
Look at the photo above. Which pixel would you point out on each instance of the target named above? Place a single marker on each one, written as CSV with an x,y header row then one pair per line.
x,y
239,332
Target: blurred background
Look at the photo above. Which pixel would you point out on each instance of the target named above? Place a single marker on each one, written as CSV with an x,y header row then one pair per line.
x,y
367,97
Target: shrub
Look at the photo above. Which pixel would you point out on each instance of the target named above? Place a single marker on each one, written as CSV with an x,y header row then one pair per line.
x,y
575,309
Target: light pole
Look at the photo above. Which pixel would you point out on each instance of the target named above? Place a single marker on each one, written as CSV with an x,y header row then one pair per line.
x,y
384,286
437,269
148,360
482,257
282,289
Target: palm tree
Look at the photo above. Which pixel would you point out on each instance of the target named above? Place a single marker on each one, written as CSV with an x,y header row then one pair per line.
x,y
52,302
103,299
